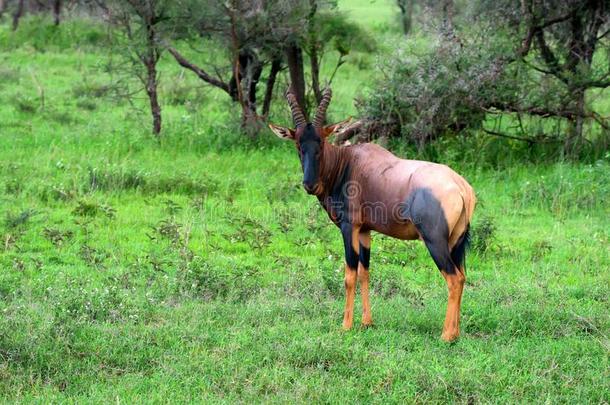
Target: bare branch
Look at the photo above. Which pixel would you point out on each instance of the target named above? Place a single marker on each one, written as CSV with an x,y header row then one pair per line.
x,y
522,139
603,122
203,75
548,56
348,132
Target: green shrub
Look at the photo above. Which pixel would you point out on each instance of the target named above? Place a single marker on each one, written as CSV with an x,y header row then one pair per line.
x,y
424,95
212,280
13,220
86,89
117,179
483,234
91,208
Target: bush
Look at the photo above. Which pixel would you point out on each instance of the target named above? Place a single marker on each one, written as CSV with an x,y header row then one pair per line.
x,y
442,85
424,96
483,235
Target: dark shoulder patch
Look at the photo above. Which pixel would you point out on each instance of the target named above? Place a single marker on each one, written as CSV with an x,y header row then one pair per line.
x,y
336,202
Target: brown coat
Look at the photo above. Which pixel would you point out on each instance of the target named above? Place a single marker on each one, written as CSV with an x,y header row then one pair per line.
x,y
379,184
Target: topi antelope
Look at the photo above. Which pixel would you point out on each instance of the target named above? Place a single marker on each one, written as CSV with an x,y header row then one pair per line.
x,y
366,188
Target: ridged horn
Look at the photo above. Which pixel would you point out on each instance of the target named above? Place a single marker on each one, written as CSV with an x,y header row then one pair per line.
x,y
318,120
295,109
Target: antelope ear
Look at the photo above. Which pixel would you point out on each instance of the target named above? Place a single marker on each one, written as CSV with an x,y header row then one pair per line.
x,y
336,128
281,132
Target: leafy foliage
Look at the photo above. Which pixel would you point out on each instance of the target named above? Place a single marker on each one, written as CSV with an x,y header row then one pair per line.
x,y
423,97
485,70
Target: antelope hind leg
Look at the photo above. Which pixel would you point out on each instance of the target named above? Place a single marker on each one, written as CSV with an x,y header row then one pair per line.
x,y
363,276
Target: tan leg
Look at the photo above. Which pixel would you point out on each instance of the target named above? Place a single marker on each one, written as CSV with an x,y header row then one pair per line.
x,y
455,285
363,276
350,294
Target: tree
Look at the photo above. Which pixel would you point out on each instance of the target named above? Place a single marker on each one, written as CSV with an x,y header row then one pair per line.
x,y
329,30
531,63
56,11
314,28
33,6
561,38
139,22
18,14
261,38
240,28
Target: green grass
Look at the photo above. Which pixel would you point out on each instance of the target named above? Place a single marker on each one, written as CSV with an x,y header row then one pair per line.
x,y
197,269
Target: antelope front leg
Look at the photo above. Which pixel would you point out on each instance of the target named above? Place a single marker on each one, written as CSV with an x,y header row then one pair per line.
x,y
350,295
350,241
363,276
455,285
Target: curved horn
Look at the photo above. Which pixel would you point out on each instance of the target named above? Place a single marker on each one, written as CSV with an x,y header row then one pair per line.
x,y
321,112
297,113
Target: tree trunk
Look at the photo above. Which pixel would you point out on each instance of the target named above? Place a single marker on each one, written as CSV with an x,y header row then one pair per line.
x,y
150,60
276,65
246,87
448,19
315,73
581,49
294,59
18,14
151,91
252,76
575,140
406,14
241,60
2,7
245,79
314,58
56,11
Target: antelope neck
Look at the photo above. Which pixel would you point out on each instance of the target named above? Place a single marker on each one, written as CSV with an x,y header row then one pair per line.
x,y
334,164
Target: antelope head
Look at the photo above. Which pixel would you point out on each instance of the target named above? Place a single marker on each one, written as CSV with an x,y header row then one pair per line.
x,y
310,137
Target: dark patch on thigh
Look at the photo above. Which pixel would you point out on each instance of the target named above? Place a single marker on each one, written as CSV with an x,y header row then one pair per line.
x,y
458,254
426,213
365,256
351,256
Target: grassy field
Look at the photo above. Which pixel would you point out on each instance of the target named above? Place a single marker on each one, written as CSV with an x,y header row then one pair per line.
x,y
196,268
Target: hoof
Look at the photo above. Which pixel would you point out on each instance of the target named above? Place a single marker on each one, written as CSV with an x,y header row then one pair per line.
x,y
450,336
367,325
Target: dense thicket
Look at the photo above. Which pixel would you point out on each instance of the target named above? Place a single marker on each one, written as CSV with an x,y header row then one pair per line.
x,y
531,70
